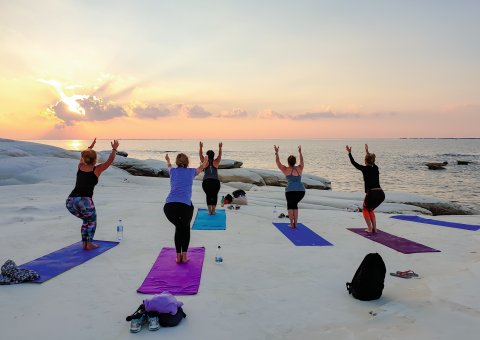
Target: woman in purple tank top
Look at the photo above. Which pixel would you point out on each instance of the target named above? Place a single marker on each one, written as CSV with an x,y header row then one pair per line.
x,y
178,206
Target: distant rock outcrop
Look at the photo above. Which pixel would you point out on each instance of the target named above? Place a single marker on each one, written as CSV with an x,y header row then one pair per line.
x,y
436,166
229,164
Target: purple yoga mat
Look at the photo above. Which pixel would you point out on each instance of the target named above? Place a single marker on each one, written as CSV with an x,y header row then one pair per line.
x,y
177,278
60,261
398,243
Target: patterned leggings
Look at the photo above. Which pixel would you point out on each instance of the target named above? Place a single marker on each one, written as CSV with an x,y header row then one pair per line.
x,y
83,208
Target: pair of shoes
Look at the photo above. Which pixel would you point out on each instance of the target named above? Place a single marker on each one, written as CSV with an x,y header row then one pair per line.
x,y
140,317
153,323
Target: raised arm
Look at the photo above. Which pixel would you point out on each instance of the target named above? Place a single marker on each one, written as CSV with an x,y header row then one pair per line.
x,y
355,164
202,166
366,149
300,165
216,163
104,166
93,143
277,160
200,152
169,165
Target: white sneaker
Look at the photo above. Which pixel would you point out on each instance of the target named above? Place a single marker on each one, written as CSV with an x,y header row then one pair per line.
x,y
136,324
153,323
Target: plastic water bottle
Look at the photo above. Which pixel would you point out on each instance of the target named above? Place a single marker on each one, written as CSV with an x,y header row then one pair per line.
x,y
275,213
119,230
218,256
223,201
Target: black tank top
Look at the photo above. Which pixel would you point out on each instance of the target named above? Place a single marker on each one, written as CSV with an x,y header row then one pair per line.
x,y
210,172
86,181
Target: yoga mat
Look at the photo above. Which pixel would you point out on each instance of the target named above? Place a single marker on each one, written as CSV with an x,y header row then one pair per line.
x,y
60,261
204,221
177,278
413,218
399,244
302,235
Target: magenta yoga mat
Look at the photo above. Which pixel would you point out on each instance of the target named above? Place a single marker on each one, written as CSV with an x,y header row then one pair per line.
x,y
176,278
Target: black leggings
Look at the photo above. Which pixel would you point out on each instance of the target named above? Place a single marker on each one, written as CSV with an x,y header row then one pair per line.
x,y
293,197
211,187
373,199
180,215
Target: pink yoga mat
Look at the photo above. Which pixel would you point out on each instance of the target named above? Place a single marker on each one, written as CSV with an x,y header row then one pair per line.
x,y
176,278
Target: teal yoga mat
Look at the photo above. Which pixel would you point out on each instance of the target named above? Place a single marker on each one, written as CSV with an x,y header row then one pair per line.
x,y
204,221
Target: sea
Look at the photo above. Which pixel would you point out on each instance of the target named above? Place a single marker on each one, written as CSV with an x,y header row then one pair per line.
x,y
401,161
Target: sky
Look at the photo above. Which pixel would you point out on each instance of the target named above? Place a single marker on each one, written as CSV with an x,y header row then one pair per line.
x,y
239,69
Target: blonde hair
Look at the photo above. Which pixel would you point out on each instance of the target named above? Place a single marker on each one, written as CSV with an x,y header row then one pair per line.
x,y
89,156
370,158
182,160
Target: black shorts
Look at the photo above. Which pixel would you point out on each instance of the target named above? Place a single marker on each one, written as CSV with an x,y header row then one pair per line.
x,y
373,199
293,198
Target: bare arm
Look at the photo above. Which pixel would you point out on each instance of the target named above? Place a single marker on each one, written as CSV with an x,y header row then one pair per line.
x,y
216,163
300,165
169,165
201,167
104,166
200,152
280,166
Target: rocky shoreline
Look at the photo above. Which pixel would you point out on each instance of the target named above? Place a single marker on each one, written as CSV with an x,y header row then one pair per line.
x,y
30,163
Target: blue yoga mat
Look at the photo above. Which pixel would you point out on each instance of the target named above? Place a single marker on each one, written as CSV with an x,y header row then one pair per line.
x,y
302,235
413,218
60,261
204,221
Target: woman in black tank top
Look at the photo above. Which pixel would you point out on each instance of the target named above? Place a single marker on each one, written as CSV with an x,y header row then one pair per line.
x,y
80,201
211,183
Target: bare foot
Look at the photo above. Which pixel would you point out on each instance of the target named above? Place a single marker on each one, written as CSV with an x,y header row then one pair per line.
x,y
90,246
184,257
368,231
179,258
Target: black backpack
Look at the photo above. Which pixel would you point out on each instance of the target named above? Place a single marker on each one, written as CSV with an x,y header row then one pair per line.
x,y
367,283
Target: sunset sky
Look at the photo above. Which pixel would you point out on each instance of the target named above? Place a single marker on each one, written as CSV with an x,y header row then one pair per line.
x,y
239,69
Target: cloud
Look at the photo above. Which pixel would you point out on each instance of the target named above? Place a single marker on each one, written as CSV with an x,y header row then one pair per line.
x,y
235,113
324,115
152,112
194,111
94,109
270,114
